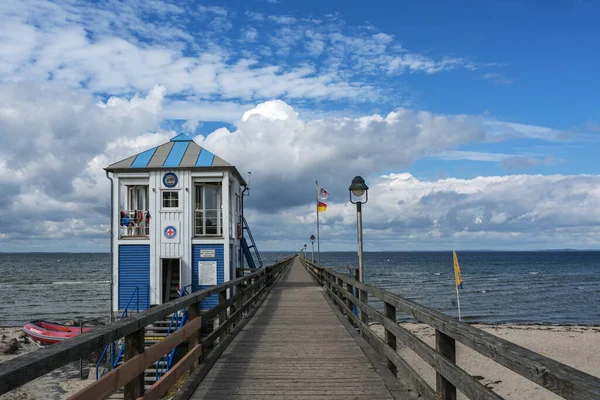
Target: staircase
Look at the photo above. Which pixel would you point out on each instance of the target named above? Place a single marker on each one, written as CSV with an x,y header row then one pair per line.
x,y
246,249
153,334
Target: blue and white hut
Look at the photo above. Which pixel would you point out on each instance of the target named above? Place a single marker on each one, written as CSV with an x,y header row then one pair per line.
x,y
177,223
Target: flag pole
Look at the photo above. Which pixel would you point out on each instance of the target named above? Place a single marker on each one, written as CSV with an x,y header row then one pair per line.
x,y
318,238
458,302
458,282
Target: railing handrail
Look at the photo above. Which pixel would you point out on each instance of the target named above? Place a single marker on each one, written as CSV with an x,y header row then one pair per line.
x,y
246,227
135,292
181,319
553,375
18,371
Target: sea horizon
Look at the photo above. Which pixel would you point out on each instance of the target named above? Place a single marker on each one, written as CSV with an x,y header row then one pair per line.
x,y
522,287
346,251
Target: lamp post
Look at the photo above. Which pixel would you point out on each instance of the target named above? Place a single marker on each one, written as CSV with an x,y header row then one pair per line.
x,y
305,251
358,189
312,242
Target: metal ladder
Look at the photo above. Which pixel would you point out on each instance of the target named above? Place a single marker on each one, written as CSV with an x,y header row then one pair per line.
x,y
246,249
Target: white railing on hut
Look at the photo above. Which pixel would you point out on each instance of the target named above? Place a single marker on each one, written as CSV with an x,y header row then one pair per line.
x,y
134,223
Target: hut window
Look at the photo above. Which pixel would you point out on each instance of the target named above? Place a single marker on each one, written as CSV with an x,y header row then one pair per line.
x,y
170,199
208,218
138,197
134,217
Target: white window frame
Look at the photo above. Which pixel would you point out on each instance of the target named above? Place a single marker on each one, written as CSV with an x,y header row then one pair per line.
x,y
162,205
129,202
219,208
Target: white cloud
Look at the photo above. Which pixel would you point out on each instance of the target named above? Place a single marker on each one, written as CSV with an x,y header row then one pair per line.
x,y
500,130
505,160
56,142
214,10
254,16
501,212
249,35
132,46
275,110
282,150
453,155
282,19
498,78
51,157
191,125
520,162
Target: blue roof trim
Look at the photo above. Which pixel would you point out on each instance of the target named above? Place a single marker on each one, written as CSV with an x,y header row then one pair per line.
x,y
142,159
181,138
205,158
176,154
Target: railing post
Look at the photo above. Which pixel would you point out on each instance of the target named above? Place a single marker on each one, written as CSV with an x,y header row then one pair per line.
x,y
195,339
134,345
239,300
349,302
267,280
364,317
223,313
340,294
250,292
446,347
390,338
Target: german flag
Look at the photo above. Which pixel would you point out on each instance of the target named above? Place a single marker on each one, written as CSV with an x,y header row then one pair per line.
x,y
321,207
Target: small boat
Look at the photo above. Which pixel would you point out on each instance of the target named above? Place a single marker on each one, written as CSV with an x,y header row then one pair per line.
x,y
50,333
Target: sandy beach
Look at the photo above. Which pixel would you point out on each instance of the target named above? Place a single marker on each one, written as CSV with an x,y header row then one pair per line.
x,y
55,385
576,346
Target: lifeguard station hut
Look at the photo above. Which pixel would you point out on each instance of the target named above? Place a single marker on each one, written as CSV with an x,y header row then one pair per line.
x,y
177,223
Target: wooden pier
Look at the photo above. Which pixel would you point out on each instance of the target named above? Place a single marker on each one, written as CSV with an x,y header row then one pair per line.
x,y
296,330
295,347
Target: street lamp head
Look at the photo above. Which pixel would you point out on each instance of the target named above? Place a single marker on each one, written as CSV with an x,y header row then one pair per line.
x,y
312,238
304,245
358,188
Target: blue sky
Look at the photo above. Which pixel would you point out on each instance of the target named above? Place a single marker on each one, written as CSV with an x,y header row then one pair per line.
x,y
475,123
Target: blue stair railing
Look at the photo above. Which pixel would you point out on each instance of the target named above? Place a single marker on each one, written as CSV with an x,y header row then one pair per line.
x,y
246,249
114,355
178,319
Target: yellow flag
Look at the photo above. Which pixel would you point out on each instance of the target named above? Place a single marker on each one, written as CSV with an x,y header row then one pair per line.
x,y
457,272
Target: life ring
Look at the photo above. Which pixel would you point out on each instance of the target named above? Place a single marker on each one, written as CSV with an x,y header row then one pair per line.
x,y
239,231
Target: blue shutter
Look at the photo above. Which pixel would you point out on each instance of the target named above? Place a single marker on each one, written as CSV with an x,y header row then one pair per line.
x,y
213,300
134,271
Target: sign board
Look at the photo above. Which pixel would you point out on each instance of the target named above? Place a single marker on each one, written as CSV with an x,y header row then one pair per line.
x,y
207,253
207,272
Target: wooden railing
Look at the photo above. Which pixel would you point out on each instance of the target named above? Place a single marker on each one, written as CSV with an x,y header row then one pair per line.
x,y
559,378
130,375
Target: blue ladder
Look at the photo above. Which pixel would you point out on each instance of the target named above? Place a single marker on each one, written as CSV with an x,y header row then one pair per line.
x,y
246,248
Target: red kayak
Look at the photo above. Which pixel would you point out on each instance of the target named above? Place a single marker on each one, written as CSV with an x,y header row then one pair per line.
x,y
50,333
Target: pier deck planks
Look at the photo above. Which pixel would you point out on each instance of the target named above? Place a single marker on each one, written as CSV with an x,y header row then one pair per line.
x,y
293,348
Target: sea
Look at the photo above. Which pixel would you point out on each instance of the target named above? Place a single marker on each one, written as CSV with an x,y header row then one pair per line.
x,y
538,287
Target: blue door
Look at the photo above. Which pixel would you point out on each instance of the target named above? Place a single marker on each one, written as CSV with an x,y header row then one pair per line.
x,y
134,272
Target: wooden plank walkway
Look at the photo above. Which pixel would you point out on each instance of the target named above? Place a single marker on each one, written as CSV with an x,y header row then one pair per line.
x,y
294,347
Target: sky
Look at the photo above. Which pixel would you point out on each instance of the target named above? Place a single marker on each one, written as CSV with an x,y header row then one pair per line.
x,y
475,124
